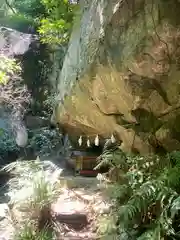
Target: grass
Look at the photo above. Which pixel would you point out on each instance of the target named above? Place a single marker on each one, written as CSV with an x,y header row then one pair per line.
x,y
32,190
27,232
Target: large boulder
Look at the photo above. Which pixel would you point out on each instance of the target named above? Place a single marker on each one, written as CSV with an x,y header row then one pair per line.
x,y
14,95
13,43
121,74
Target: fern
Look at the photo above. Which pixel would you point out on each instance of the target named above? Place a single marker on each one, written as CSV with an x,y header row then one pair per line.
x,y
175,207
111,158
148,202
152,234
120,193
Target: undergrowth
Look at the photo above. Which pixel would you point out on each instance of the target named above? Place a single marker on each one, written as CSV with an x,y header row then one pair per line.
x,y
146,195
33,188
44,141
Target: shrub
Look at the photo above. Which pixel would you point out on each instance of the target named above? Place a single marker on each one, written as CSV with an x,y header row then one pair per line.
x,y
27,232
45,141
18,21
32,190
146,194
7,145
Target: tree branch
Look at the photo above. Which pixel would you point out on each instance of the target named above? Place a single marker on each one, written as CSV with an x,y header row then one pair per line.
x,y
9,5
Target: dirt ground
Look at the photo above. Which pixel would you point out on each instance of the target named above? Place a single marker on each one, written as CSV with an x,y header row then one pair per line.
x,y
76,211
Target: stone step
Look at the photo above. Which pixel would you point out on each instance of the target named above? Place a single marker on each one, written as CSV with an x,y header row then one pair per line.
x,y
76,221
78,181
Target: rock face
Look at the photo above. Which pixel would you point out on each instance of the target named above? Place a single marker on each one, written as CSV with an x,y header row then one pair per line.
x,y
35,62
15,44
121,74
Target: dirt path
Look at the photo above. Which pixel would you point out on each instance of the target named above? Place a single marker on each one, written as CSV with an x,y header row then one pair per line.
x,y
78,208
79,205
76,211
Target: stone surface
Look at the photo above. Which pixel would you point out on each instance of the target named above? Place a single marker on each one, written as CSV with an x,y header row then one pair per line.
x,y
3,210
6,228
121,74
76,210
30,87
79,209
13,43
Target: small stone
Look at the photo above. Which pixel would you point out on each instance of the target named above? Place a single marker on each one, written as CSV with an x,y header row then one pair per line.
x,y
3,211
102,208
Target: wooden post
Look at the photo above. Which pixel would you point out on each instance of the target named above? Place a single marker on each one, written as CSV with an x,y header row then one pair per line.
x,y
79,164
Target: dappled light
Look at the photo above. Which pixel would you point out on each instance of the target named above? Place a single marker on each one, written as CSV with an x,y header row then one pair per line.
x,y
89,120
41,196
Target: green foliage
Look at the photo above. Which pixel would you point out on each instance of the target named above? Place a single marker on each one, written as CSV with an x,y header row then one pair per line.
x,y
32,190
106,224
49,103
12,17
6,8
52,18
147,197
14,94
30,8
32,175
56,27
58,9
45,141
17,21
27,232
54,31
8,68
7,145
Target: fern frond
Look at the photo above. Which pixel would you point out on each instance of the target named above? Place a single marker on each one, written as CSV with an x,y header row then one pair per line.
x,y
151,234
175,207
126,234
111,158
142,199
147,195
120,192
173,177
104,160
174,157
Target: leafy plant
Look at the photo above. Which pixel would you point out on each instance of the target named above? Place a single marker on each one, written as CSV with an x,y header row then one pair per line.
x,y
32,190
30,8
27,232
17,21
7,145
146,194
45,142
8,68
52,18
56,27
13,92
106,225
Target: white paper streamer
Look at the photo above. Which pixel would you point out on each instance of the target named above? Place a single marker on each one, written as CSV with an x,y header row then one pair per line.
x,y
113,140
96,141
88,142
80,141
